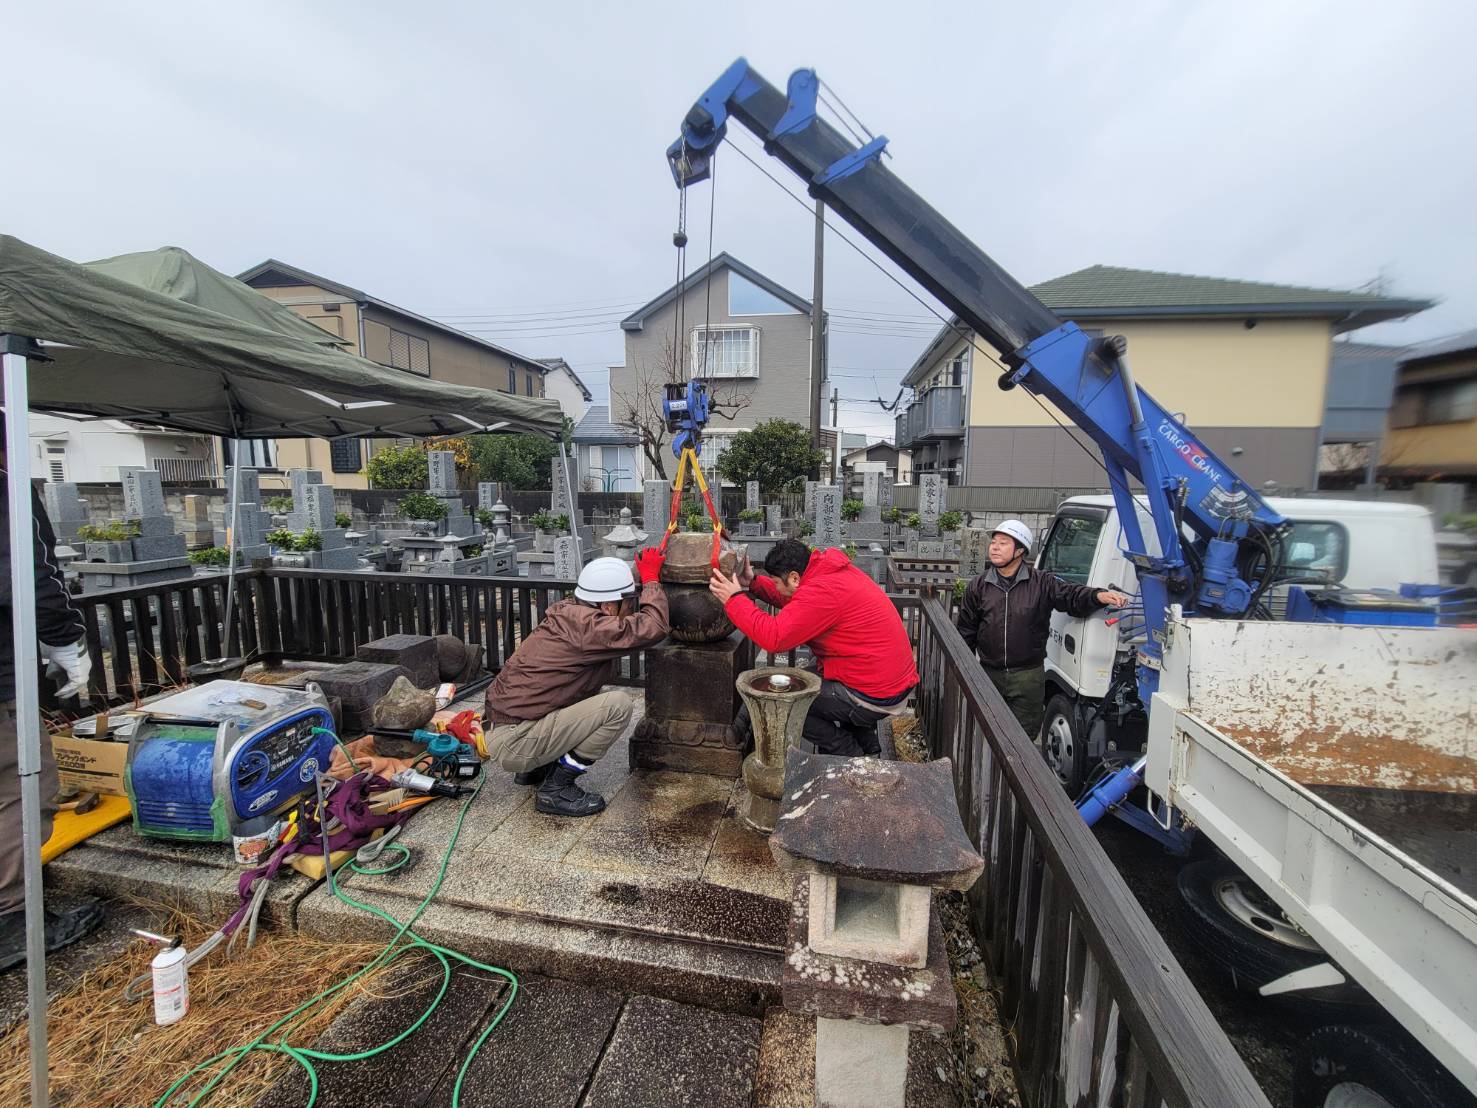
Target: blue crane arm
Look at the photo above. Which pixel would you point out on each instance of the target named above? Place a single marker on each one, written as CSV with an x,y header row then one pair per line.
x,y
1088,379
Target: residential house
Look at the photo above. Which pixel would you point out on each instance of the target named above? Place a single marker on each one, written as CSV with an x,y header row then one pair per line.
x,y
746,335
1433,423
92,451
561,383
608,454
1245,363
392,336
881,457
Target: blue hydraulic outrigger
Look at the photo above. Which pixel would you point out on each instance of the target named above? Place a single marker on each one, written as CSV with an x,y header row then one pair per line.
x,y
1238,539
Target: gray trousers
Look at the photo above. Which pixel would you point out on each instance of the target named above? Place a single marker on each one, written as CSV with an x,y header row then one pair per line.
x,y
12,860
588,728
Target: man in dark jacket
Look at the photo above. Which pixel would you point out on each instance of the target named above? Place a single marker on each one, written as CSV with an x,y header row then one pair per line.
x,y
853,629
549,722
59,628
1006,615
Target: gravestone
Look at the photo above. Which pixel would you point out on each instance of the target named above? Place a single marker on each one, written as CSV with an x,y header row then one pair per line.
x,y
809,509
156,554
930,502
487,497
773,518
66,509
868,527
974,547
827,516
300,479
751,495
441,470
198,532
566,558
564,498
252,522
656,505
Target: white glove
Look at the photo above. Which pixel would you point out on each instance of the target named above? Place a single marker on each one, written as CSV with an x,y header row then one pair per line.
x,y
70,661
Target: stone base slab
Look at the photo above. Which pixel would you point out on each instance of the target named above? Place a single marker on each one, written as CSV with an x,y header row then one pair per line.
x,y
686,747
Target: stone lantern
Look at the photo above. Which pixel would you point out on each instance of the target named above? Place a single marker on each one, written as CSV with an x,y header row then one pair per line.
x,y
869,841
624,538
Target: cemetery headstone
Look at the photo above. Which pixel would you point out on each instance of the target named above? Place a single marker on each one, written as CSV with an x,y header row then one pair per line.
x,y
656,503
751,494
930,502
974,546
566,558
827,516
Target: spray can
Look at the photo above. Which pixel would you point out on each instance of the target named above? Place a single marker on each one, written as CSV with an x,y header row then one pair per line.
x,y
171,979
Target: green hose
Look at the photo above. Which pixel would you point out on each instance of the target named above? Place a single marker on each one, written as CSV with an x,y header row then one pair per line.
x,y
304,1056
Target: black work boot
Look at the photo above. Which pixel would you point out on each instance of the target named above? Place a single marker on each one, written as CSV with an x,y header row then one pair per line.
x,y
62,929
534,776
560,796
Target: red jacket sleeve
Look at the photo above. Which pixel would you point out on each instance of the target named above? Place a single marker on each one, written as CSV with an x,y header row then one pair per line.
x,y
763,587
799,621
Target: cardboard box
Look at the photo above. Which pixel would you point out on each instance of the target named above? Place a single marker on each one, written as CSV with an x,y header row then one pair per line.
x,y
90,765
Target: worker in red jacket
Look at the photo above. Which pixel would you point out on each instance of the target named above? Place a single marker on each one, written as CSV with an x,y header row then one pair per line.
x,y
860,646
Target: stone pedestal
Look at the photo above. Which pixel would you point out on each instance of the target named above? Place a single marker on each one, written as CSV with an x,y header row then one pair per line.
x,y
416,654
778,716
691,700
866,950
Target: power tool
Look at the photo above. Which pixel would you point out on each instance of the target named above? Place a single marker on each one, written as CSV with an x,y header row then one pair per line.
x,y
221,759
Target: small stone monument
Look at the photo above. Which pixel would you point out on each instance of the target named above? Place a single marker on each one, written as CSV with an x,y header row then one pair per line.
x,y
252,522
314,509
487,496
778,698
810,487
198,532
751,494
441,482
564,498
155,554
865,951
827,516
566,558
624,538
974,548
930,502
656,506
868,528
66,509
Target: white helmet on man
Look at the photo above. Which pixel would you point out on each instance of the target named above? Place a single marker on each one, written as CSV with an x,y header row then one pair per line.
x,y
1016,530
605,579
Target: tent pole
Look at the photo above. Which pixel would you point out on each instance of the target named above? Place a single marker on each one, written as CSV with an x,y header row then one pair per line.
x,y
231,540
27,703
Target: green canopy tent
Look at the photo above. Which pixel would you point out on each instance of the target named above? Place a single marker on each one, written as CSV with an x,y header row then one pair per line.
x,y
251,374
81,341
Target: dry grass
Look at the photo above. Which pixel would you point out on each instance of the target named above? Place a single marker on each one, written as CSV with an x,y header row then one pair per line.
x,y
105,1051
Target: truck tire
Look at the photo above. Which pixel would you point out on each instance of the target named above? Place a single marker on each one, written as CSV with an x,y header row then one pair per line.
x,y
1365,1067
1236,926
1063,744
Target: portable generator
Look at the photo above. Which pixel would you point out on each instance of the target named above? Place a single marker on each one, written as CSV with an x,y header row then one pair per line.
x,y
223,758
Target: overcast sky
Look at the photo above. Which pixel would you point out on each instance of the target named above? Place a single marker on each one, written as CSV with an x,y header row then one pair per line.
x,y
502,165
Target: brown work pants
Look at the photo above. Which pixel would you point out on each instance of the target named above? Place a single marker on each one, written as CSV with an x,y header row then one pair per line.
x,y
12,859
588,728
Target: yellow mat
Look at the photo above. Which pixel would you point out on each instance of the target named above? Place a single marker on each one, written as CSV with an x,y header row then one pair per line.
x,y
68,828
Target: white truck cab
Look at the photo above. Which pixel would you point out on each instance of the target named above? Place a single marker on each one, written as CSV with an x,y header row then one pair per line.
x,y
1359,544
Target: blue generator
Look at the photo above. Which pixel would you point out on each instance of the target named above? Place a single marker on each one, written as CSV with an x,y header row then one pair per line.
x,y
223,758
1367,607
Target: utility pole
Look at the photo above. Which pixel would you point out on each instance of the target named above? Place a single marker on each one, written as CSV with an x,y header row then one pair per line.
x,y
836,442
817,328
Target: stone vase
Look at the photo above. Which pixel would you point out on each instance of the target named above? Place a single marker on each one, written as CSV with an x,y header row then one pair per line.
x,y
778,716
695,612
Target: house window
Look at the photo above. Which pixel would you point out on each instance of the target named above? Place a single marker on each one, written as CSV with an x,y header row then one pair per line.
x,y
1452,402
957,368
410,352
528,383
725,352
255,453
512,380
345,455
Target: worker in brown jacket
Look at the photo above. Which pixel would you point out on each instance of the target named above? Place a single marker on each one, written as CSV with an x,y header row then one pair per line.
x,y
550,721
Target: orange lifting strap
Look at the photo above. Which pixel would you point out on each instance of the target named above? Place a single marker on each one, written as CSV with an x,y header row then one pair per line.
x,y
689,455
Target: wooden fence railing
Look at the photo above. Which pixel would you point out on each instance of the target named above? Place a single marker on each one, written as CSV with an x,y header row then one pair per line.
x,y
142,640
1096,1007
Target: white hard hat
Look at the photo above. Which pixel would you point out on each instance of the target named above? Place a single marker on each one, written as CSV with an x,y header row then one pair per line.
x,y
604,579
1016,530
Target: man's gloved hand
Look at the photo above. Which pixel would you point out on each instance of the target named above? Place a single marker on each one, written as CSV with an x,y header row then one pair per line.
x,y
649,564
70,661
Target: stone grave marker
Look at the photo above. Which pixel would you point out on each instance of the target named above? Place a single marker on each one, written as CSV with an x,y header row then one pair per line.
x,y
656,504
974,546
930,502
66,509
827,516
751,495
566,558
441,472
487,497
773,518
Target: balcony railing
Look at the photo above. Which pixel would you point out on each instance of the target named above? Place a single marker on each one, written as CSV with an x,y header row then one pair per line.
x,y
941,412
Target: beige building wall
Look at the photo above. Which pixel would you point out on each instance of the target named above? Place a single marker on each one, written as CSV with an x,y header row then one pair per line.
x,y
451,358
1438,446
1217,372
